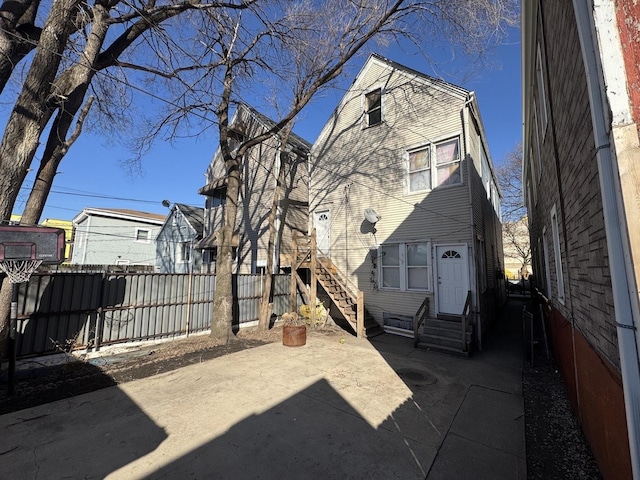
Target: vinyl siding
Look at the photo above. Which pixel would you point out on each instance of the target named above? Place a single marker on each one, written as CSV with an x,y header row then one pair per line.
x,y
259,172
354,167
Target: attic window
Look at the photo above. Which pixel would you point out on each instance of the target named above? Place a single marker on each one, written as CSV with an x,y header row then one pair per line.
x,y
373,106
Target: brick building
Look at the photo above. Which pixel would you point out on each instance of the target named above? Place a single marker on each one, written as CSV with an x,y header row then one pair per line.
x,y
580,148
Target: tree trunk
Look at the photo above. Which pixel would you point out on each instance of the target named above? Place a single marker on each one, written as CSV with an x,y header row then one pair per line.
x,y
18,35
33,107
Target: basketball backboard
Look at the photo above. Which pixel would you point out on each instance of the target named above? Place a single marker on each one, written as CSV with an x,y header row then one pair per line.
x,y
20,242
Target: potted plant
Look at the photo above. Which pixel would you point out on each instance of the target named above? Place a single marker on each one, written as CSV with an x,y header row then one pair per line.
x,y
294,330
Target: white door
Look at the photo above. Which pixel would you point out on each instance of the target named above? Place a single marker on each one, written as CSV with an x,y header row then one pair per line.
x,y
453,277
323,231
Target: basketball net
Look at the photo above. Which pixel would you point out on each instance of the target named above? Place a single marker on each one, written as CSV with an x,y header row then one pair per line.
x,y
19,271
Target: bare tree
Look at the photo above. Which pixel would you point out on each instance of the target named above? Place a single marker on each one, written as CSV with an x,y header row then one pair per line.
x,y
206,55
515,226
315,43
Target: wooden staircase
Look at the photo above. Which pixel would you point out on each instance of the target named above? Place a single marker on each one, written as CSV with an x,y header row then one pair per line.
x,y
344,295
451,334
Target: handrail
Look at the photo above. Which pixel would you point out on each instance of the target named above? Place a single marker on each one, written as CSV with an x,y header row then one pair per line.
x,y
419,318
544,301
346,285
465,313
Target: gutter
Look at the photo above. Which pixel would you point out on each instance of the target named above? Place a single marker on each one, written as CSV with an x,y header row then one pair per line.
x,y
625,296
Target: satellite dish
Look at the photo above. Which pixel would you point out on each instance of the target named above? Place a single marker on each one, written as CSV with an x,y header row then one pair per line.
x,y
371,215
166,203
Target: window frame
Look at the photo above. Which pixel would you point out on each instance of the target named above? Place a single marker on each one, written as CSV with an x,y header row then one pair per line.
x,y
403,266
137,233
368,111
557,254
219,197
431,148
542,91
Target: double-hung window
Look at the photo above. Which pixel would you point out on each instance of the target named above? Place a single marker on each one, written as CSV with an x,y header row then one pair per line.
x,y
434,164
419,170
373,107
405,266
448,162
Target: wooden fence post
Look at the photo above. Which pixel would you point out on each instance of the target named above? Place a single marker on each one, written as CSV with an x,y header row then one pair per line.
x,y
360,315
314,281
294,260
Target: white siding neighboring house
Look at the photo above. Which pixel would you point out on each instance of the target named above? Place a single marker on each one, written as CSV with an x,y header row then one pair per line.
x,y
115,237
175,251
412,148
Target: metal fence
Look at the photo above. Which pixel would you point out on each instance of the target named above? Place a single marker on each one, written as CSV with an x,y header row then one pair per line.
x,y
71,311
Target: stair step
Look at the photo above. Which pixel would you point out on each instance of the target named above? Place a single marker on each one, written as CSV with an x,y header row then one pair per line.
x,y
456,333
440,340
444,324
442,349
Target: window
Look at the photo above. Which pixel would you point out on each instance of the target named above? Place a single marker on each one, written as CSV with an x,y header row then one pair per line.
x,y
448,162
422,177
373,107
542,95
184,252
419,170
406,266
219,197
556,254
547,273
142,235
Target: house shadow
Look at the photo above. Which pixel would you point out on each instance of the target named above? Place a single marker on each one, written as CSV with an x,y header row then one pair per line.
x,y
315,434
82,435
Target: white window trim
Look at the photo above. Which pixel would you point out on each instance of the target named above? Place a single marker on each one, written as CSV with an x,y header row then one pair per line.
x,y
363,106
557,254
542,93
404,269
138,229
547,270
433,167
180,252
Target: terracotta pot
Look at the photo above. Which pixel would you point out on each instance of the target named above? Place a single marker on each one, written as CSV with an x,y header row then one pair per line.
x,y
294,335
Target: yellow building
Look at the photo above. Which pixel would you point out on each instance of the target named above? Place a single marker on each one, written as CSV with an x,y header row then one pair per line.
x,y
65,225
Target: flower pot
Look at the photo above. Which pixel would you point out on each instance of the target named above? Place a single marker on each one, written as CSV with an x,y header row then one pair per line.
x,y
294,335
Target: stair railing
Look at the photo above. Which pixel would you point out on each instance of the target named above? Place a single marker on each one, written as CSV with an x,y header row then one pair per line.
x,y
356,295
419,318
465,314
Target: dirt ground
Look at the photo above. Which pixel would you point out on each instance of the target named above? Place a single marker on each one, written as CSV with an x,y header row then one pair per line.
x,y
556,448
45,384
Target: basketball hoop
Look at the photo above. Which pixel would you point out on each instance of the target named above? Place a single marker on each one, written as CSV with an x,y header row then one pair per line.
x,y
19,271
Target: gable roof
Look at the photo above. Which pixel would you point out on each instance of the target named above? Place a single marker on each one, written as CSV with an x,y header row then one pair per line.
x,y
374,58
194,215
121,213
267,123
436,82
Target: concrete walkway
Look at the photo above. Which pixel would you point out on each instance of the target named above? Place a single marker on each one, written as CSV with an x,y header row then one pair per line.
x,y
373,409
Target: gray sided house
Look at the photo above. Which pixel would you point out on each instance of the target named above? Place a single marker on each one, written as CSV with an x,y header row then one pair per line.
x,y
404,198
175,242
581,147
115,236
260,168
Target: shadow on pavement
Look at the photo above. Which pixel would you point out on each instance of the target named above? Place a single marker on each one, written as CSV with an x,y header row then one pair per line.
x,y
82,437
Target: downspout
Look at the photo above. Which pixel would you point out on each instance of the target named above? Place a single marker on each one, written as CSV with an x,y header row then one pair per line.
x,y
476,285
622,281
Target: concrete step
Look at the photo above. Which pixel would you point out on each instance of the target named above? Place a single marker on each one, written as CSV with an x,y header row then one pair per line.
x,y
455,343
442,349
455,333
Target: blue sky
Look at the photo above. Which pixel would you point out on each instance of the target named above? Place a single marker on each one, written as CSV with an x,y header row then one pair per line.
x,y
92,174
